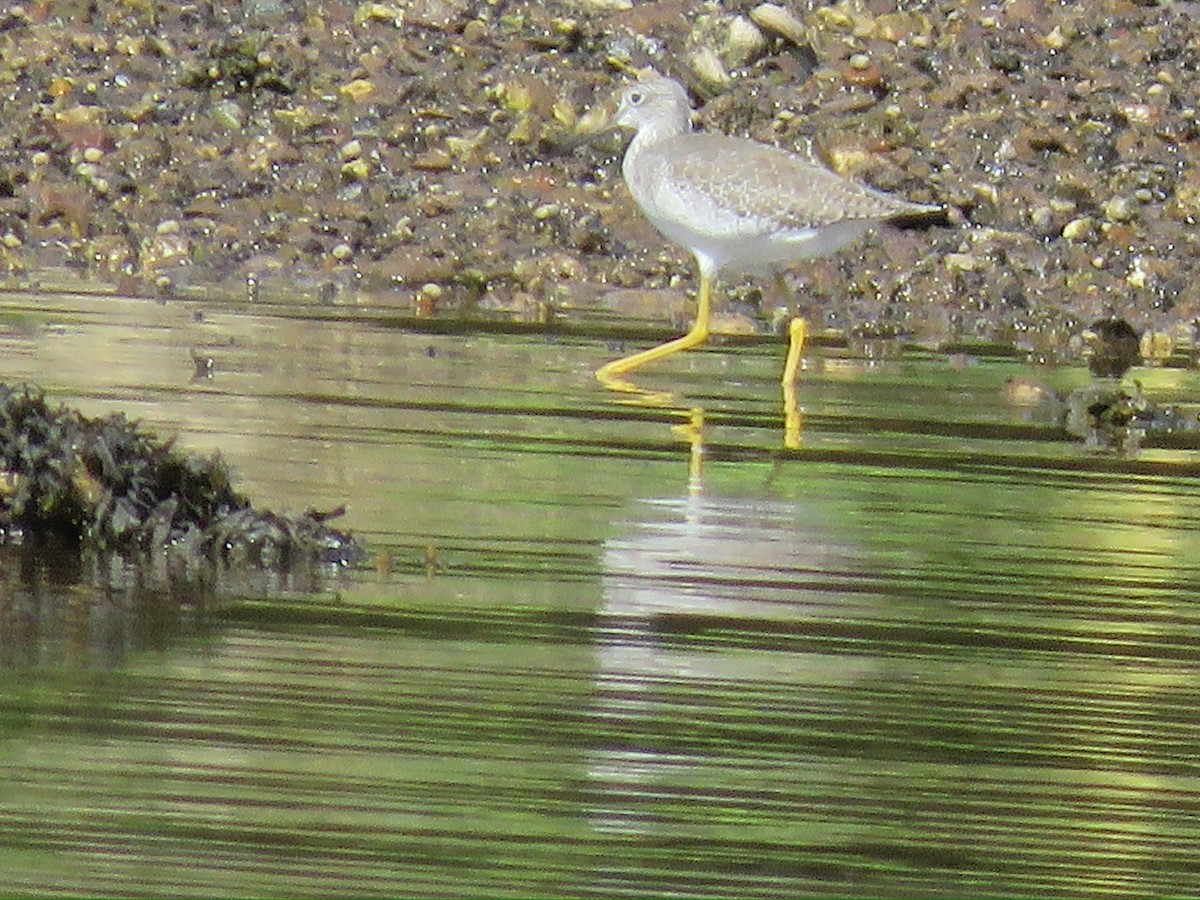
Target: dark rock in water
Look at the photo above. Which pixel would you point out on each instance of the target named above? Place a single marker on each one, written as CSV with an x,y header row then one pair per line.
x,y
106,482
1115,347
1110,418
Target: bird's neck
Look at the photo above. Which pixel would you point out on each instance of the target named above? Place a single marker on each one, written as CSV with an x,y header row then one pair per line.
x,y
651,134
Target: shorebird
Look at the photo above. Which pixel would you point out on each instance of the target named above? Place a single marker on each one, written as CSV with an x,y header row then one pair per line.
x,y
736,204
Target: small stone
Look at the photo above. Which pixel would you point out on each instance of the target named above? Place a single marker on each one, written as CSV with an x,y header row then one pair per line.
x,y
1156,346
744,43
1138,277
342,252
1055,39
546,211
228,114
356,170
605,6
352,149
564,113
961,262
93,154
861,72
359,90
777,20
1078,229
464,146
593,121
1119,209
1005,60
986,191
709,69
402,229
60,87
1139,113
168,226
432,161
378,12
515,96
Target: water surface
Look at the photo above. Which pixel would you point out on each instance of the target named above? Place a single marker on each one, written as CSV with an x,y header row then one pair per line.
x,y
941,650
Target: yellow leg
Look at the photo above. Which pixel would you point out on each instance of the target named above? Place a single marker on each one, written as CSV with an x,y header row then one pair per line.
x,y
797,331
692,431
610,374
791,411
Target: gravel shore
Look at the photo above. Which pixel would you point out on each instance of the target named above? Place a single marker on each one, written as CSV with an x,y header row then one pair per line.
x,y
446,156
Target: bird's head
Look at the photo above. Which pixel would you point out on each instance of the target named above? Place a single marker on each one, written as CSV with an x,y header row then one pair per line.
x,y
654,102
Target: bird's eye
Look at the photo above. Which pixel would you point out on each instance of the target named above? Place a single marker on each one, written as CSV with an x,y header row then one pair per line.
x,y
636,98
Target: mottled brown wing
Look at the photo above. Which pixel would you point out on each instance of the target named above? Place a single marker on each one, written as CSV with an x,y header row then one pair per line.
x,y
757,181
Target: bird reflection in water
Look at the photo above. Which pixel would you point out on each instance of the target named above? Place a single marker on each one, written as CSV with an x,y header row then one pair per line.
x,y
707,604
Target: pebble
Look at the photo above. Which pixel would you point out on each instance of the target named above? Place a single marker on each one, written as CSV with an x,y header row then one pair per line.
x,y
229,114
360,90
1156,346
778,20
356,170
745,42
605,6
708,68
1078,229
432,160
379,12
961,262
1119,209
1055,39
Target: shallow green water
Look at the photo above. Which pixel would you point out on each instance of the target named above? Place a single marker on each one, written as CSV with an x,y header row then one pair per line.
x,y
942,650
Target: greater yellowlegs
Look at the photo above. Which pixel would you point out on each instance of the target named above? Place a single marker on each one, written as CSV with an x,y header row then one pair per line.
x,y
736,204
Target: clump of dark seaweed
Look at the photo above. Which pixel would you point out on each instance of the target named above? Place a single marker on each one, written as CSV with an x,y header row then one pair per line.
x,y
105,481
